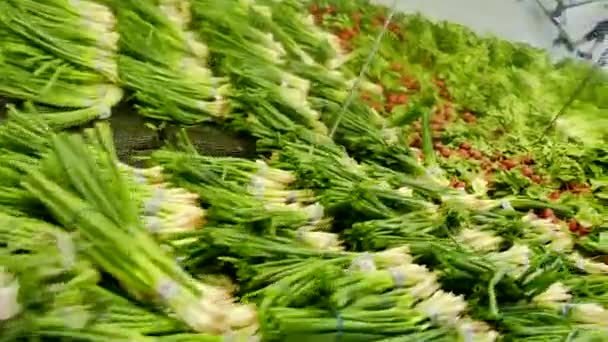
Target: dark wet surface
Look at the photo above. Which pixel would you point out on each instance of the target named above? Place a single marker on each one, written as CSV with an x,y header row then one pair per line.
x,y
133,138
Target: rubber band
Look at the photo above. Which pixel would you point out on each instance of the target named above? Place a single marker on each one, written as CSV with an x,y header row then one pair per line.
x,y
167,289
506,205
580,263
399,277
105,112
262,168
72,318
67,250
258,187
433,314
214,92
566,309
300,233
527,258
152,206
363,263
202,105
316,213
139,176
153,224
433,171
468,333
339,326
292,197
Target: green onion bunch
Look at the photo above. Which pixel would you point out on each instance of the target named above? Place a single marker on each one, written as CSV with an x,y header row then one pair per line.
x,y
93,200
165,63
164,209
298,34
344,185
61,56
381,296
248,53
242,191
47,288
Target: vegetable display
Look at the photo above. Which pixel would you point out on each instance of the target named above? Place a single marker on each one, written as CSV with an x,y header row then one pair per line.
x,y
409,183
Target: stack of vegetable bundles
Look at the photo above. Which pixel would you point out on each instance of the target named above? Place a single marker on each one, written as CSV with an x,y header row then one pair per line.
x,y
62,56
165,64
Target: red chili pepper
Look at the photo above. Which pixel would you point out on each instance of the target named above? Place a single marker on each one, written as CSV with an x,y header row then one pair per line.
x,y
536,179
508,164
527,171
555,195
439,82
416,141
465,146
445,152
469,117
547,213
476,154
527,160
402,99
395,28
573,226
583,231
392,98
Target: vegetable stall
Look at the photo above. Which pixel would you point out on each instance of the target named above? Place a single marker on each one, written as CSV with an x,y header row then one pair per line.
x,y
410,180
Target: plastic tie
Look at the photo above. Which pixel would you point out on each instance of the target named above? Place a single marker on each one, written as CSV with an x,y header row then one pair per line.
x,y
292,197
153,224
468,333
316,214
363,263
262,168
258,187
566,309
580,263
506,205
339,326
167,289
153,205
67,250
300,233
105,112
138,175
399,277
214,91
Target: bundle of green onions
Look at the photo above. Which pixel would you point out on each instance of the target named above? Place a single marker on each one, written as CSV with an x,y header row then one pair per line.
x,y
66,93
165,210
383,296
80,32
298,33
94,201
46,287
242,191
254,60
339,179
165,64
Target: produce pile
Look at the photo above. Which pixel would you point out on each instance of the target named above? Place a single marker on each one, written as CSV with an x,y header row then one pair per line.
x,y
410,181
